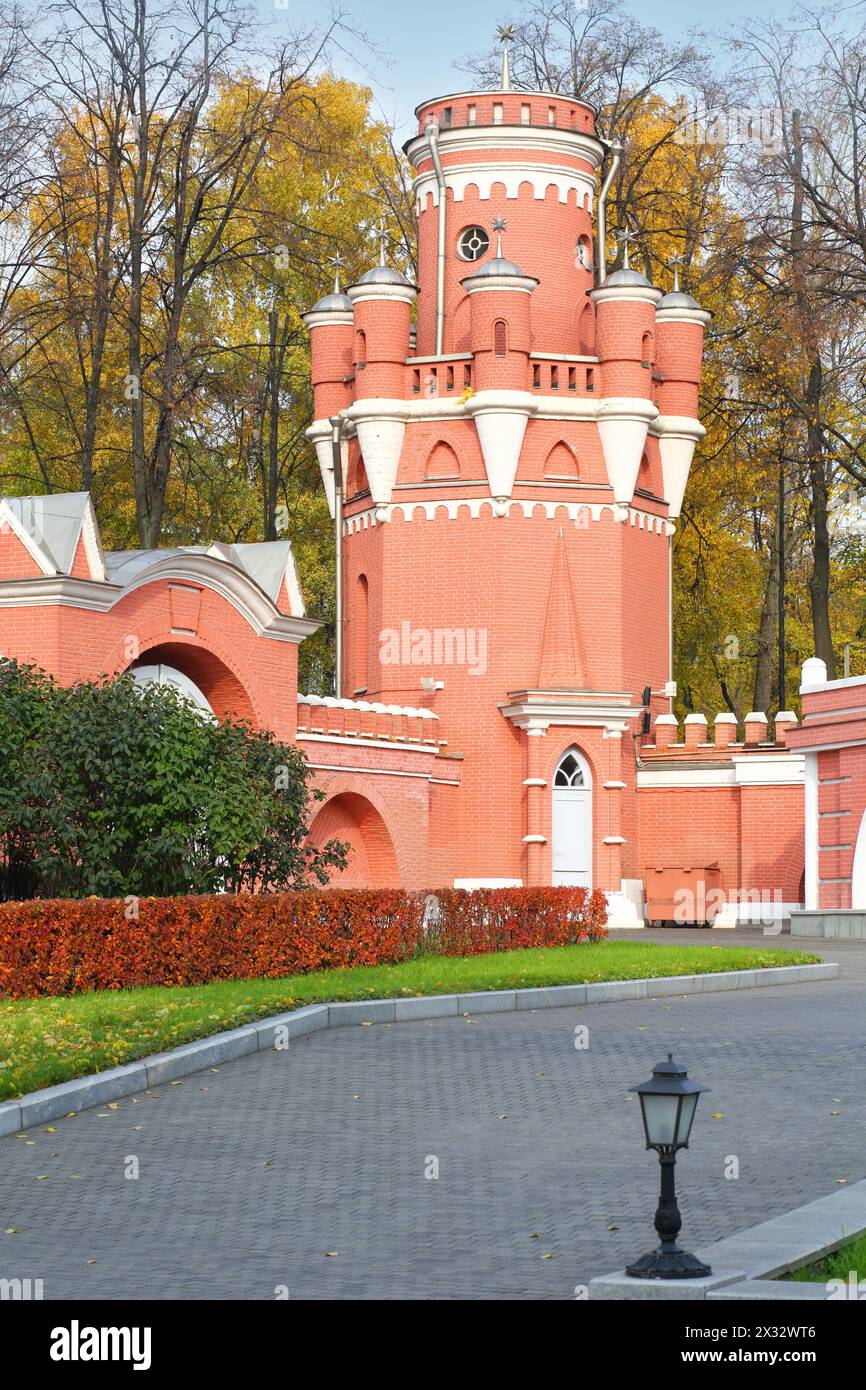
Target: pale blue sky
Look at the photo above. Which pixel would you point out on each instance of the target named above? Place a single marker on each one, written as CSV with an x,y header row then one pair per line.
x,y
421,46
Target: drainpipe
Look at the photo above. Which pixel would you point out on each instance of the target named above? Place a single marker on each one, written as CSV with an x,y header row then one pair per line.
x,y
432,132
337,422
615,151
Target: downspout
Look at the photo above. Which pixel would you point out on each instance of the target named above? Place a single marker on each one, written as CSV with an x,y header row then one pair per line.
x,y
615,152
432,133
337,422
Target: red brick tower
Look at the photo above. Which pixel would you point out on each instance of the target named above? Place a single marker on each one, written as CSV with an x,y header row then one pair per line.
x,y
510,489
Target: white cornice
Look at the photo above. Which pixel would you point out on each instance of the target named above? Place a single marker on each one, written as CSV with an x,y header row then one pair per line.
x,y
552,139
769,769
537,710
230,583
360,294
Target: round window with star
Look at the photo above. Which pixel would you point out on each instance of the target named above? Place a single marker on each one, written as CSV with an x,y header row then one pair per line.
x,y
472,243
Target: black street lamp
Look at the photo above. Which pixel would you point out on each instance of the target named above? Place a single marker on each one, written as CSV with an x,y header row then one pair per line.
x,y
668,1103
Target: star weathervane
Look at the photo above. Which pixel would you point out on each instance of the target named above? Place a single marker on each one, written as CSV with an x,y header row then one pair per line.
x,y
676,262
625,239
337,262
505,34
499,224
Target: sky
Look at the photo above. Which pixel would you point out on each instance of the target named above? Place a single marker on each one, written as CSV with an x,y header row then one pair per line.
x,y
421,44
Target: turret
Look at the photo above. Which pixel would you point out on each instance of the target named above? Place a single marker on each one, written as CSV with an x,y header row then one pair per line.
x,y
625,343
330,326
382,304
680,325
499,314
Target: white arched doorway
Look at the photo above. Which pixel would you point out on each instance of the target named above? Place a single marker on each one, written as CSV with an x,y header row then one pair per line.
x,y
169,675
572,821
858,871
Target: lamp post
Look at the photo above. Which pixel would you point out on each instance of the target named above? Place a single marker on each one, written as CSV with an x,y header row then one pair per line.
x,y
668,1103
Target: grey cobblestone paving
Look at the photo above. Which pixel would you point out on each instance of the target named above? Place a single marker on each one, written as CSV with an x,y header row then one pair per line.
x,y
251,1174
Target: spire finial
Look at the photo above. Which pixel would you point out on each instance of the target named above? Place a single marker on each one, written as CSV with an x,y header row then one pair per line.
x,y
380,233
337,262
676,262
505,34
499,224
625,239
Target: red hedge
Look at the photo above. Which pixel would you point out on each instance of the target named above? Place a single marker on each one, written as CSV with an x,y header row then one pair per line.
x,y
69,946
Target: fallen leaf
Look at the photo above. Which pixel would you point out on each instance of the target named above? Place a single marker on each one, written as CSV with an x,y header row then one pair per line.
x,y
842,1182
331,1254
503,1117
717,1115
548,1256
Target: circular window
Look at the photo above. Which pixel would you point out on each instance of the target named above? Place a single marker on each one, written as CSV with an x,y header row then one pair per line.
x,y
472,244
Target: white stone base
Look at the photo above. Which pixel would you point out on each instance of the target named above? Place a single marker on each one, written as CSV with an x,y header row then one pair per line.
x,y
770,915
625,909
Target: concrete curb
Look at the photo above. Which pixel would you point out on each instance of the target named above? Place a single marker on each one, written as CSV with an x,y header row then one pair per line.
x,y
745,1265
39,1107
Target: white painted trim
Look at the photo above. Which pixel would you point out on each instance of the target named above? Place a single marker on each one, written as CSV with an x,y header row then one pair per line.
x,y
768,769
402,294
368,771
478,284
328,318
655,779
553,139
222,578
810,836
575,510
363,741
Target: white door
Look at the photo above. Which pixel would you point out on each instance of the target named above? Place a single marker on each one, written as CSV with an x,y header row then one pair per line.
x,y
572,823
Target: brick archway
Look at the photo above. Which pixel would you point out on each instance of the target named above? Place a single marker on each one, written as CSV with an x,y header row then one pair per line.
x,y
353,819
221,688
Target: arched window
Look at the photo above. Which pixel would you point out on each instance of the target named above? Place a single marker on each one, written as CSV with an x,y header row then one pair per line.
x,y
646,350
560,462
442,462
500,338
360,348
362,631
569,773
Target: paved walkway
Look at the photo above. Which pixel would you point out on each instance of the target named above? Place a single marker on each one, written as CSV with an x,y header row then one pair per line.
x,y
251,1174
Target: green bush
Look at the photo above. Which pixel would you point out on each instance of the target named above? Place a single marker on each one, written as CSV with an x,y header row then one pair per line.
x,y
112,788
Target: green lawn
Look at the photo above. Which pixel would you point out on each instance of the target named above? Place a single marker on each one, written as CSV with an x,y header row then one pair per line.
x,y
836,1266
43,1041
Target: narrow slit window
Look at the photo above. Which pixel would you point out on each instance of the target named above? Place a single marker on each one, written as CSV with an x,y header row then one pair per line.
x,y
500,338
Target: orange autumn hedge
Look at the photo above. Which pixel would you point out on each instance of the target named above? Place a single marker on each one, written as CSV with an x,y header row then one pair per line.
x,y
69,946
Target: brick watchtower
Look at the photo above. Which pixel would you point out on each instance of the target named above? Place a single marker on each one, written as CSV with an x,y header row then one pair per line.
x,y
510,489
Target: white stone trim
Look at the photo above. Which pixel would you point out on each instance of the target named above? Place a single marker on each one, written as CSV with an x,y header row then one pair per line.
x,y
768,769
623,422
361,294
328,318
220,576
364,741
698,316
372,516
656,779
810,835
477,284
626,294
